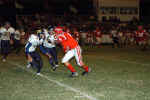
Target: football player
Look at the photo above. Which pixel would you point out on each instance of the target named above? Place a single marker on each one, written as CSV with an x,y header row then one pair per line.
x,y
114,34
89,37
141,36
98,35
71,49
17,45
33,57
48,47
6,32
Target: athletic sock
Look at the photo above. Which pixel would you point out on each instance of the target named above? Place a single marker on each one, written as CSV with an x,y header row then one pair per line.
x,y
71,68
86,68
34,64
39,69
51,62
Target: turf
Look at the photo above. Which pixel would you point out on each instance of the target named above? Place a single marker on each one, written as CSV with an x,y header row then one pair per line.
x,y
117,74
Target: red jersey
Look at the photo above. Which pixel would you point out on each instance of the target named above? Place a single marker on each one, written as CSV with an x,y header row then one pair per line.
x,y
67,41
97,33
141,35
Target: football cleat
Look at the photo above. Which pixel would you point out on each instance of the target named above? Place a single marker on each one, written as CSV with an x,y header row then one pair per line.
x,y
57,66
74,74
54,68
85,72
28,65
38,74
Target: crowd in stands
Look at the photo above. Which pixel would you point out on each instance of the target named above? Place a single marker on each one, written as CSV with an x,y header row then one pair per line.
x,y
85,28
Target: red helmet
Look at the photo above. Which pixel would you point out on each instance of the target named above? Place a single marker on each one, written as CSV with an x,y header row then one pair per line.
x,y
58,30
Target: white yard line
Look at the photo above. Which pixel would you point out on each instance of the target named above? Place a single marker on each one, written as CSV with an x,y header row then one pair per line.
x,y
60,84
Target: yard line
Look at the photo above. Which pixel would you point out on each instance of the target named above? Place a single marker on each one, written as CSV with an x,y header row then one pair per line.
x,y
59,83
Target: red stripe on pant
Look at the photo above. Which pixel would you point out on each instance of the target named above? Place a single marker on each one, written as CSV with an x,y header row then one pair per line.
x,y
71,68
79,55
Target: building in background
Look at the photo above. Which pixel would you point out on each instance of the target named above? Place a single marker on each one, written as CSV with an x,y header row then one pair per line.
x,y
123,10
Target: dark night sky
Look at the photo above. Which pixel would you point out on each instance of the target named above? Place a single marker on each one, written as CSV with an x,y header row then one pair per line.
x,y
145,4
81,4
144,10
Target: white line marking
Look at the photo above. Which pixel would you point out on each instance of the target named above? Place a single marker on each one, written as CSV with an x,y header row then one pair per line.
x,y
60,84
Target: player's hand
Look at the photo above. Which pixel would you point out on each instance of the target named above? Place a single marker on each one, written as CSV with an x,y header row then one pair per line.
x,y
29,58
55,37
49,56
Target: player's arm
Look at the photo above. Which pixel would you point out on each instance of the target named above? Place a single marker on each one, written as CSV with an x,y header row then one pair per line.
x,y
60,38
56,40
29,58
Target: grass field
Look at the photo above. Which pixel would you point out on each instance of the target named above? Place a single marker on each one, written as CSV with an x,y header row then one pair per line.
x,y
117,74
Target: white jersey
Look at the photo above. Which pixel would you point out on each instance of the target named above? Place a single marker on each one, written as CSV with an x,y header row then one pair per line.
x,y
5,35
49,40
32,43
11,30
114,33
17,35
